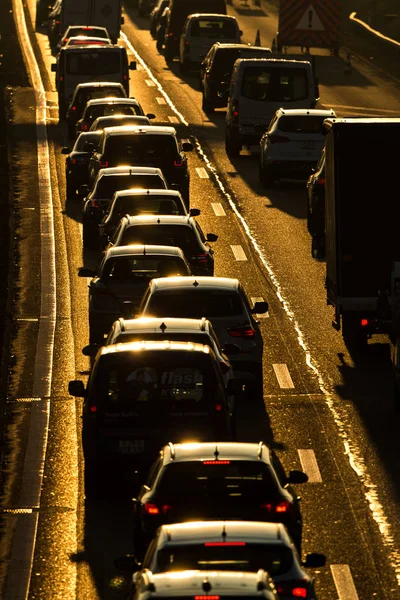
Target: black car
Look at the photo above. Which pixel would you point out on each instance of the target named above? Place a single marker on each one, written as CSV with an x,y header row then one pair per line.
x,y
141,394
108,181
155,146
316,208
155,16
90,91
211,481
54,25
169,230
77,161
216,71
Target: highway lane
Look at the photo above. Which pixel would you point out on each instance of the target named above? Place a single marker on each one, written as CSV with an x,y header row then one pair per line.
x,y
291,426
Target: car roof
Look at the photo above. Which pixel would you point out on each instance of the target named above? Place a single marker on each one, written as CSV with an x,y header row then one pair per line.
x,y
99,84
189,583
84,38
140,129
244,47
156,324
214,16
160,346
194,282
255,62
128,170
131,221
149,192
313,112
142,250
197,532
112,100
216,451
138,118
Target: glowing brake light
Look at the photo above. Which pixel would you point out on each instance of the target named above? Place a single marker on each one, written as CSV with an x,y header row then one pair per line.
x,y
364,322
206,597
280,508
151,509
178,163
216,462
299,592
295,589
214,544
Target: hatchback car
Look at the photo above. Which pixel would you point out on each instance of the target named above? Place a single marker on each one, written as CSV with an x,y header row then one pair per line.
x,y
142,202
181,231
292,144
234,546
216,71
77,161
231,480
103,107
224,302
118,121
90,91
155,146
97,201
206,585
83,40
83,30
316,208
122,276
140,395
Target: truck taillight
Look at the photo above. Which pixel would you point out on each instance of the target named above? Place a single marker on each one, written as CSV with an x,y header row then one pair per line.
x,y
296,589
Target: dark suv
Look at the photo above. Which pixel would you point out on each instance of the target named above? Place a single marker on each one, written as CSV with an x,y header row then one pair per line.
x,y
216,71
150,146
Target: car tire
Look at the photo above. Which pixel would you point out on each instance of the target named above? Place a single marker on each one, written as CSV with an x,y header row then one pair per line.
x,y
206,104
70,188
232,146
266,176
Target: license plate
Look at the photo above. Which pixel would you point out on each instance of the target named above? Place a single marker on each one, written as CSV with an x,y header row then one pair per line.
x,y
131,446
308,146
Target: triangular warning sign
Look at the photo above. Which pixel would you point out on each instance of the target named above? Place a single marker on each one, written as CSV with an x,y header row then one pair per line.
x,y
310,21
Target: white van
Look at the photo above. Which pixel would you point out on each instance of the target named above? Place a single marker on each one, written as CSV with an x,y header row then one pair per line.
x,y
80,64
201,31
259,87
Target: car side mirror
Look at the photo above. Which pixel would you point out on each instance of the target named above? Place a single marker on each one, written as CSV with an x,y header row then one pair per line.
x,y
66,150
85,272
314,560
54,67
132,65
83,190
150,116
259,308
211,237
187,146
297,477
127,563
194,212
90,350
76,388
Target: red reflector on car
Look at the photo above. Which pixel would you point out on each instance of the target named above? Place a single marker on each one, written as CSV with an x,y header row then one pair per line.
x,y
218,407
364,322
178,163
216,462
73,108
151,509
211,544
93,408
84,127
299,592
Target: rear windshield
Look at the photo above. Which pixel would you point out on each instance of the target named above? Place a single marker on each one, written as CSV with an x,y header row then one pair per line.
x,y
112,121
275,84
211,28
138,205
195,304
85,95
108,185
104,110
91,62
136,378
142,147
87,138
225,59
165,235
274,558
301,124
140,269
238,481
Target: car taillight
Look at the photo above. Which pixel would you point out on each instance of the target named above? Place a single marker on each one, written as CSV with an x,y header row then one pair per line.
x,y
321,181
280,508
208,597
278,139
66,40
93,408
73,161
218,407
216,462
235,111
125,77
178,163
94,203
84,127
73,107
153,509
225,544
200,258
364,322
296,589
61,78
244,331
57,22
103,163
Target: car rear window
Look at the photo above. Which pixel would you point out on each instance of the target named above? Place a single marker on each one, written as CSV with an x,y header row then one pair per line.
x,y
99,92
225,59
195,304
143,148
91,62
225,481
166,235
104,110
211,28
138,205
86,138
108,185
301,124
274,558
274,84
139,268
111,121
196,338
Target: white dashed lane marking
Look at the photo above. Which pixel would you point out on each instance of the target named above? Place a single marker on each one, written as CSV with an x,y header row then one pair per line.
x,y
344,582
238,252
161,100
218,209
202,173
174,120
150,82
255,299
283,376
310,466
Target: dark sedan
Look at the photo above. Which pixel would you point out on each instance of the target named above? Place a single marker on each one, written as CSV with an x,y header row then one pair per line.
x,y
77,161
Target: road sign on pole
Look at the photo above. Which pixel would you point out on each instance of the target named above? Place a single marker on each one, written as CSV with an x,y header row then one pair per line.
x,y
309,23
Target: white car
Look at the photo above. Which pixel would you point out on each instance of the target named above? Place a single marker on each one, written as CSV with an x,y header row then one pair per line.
x,y
292,144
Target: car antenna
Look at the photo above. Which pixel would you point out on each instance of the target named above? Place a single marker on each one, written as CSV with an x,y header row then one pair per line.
x,y
163,327
195,283
158,220
206,585
224,533
216,453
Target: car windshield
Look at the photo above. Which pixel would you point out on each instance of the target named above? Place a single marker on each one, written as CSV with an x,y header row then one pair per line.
x,y
143,148
182,236
211,28
220,482
138,205
274,558
195,304
91,62
301,124
274,84
138,268
107,186
87,138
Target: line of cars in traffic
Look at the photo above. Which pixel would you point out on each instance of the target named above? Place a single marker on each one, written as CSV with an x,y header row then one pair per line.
x,y
182,346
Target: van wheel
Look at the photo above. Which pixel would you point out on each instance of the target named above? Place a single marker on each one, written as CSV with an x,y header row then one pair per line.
x,y
232,147
266,176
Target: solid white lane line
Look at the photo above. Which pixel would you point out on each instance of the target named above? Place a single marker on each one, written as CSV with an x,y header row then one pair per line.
x,y
344,582
310,466
174,120
218,209
161,100
150,82
283,376
255,299
238,252
202,173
